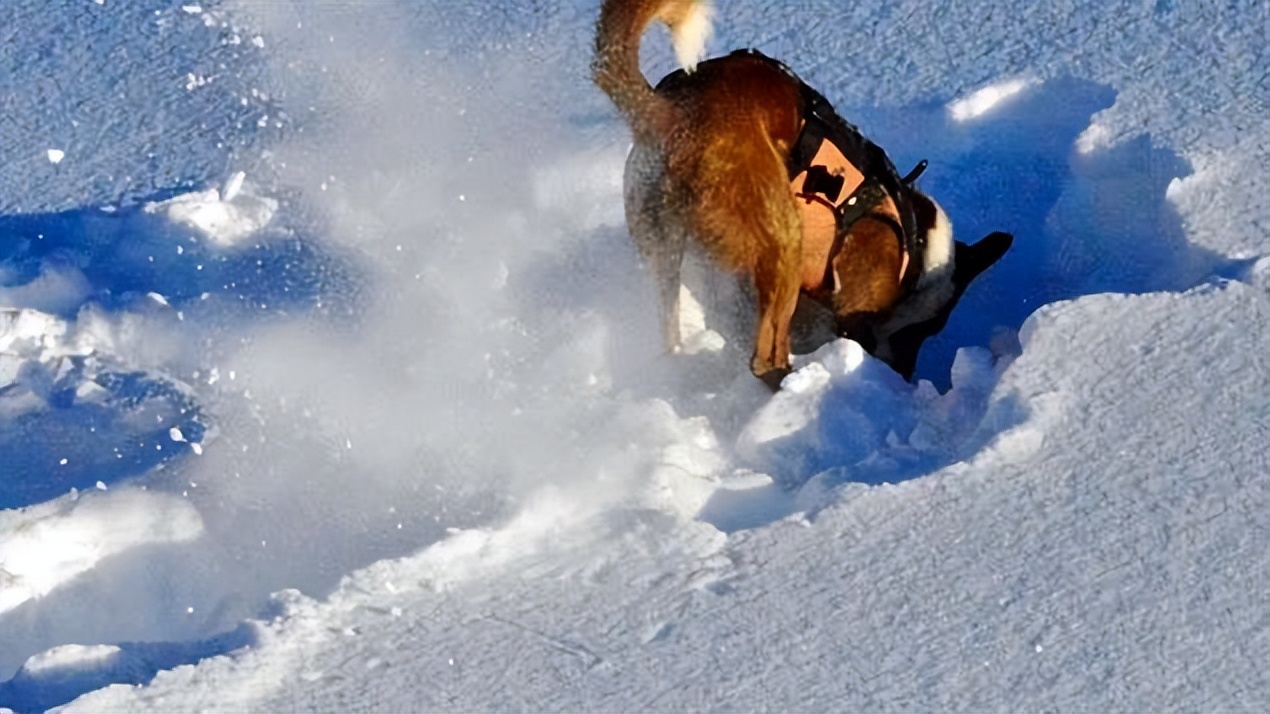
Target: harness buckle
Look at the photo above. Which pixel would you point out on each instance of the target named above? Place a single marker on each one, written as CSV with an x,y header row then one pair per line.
x,y
819,180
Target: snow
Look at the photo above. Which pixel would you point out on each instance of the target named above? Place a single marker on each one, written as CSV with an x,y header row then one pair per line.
x,y
45,545
981,101
225,219
333,381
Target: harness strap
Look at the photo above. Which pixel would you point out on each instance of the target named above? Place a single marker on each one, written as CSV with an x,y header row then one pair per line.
x,y
860,203
881,180
911,176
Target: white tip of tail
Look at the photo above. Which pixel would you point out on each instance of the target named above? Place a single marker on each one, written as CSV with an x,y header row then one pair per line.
x,y
690,31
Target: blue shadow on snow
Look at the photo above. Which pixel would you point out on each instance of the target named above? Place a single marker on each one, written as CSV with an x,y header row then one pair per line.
x,y
134,663
113,260
1083,223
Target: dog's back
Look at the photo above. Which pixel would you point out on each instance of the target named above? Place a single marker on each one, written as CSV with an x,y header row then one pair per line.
x,y
743,118
721,131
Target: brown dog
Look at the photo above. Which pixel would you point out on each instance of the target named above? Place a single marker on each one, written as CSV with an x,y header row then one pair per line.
x,y
756,166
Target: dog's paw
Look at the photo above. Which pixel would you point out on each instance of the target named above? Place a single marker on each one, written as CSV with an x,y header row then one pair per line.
x,y
773,377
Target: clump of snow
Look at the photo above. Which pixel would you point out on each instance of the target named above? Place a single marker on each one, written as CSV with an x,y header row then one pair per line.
x,y
226,217
1095,137
67,656
95,338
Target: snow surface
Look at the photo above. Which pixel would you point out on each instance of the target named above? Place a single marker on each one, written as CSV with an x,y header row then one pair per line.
x,y
329,379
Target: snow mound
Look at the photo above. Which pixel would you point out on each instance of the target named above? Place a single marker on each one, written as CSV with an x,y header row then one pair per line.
x,y
846,416
81,402
44,546
226,215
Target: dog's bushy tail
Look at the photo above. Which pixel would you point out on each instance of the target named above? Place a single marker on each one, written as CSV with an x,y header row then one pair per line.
x,y
616,64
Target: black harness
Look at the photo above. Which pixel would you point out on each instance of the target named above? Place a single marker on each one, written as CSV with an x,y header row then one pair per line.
x,y
821,123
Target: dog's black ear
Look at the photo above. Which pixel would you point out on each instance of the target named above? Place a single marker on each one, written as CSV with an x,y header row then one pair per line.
x,y
968,262
971,260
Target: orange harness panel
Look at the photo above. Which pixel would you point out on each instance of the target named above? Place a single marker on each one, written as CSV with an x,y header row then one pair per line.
x,y
819,204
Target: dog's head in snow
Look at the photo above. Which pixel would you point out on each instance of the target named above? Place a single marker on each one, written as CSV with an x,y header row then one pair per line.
x,y
944,268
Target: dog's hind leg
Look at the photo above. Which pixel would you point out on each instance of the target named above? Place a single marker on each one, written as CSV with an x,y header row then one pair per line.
x,y
777,290
662,247
658,234
750,222
777,279
664,253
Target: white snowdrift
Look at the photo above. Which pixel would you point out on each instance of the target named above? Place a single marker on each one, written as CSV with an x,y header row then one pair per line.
x,y
46,545
1037,572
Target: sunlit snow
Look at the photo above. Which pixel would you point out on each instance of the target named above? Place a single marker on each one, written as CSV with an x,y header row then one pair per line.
x,y
981,101
331,381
